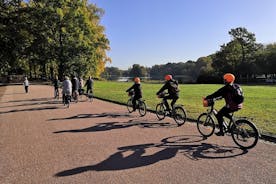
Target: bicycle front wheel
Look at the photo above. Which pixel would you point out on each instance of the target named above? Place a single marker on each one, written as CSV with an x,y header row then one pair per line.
x,y
205,125
179,115
129,105
160,111
142,108
245,134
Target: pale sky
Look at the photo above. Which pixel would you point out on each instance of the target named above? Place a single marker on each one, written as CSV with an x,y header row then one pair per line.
x,y
149,32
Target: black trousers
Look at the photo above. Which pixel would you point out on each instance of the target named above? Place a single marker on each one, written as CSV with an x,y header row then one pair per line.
x,y
223,112
174,99
89,90
26,89
135,98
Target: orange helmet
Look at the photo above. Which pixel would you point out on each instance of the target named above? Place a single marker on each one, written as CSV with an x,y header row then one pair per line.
x,y
168,77
137,80
229,78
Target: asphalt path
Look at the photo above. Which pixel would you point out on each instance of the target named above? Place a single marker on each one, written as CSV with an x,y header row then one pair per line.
x,y
41,141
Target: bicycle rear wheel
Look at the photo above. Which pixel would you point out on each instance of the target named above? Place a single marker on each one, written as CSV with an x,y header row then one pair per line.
x,y
205,125
129,105
245,134
179,115
160,111
142,108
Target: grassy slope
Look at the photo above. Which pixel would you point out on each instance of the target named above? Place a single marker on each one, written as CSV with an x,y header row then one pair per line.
x,y
260,101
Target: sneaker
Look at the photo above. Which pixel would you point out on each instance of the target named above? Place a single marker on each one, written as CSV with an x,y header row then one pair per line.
x,y
220,133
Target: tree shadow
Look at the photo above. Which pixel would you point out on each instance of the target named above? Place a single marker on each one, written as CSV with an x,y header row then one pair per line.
x,y
82,116
135,156
30,100
116,125
34,103
30,109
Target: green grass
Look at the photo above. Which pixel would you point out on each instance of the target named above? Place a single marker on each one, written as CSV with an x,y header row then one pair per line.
x,y
259,104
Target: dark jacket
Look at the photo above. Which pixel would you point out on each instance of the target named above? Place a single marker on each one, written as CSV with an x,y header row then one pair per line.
x,y
226,92
89,84
137,90
56,83
75,84
171,86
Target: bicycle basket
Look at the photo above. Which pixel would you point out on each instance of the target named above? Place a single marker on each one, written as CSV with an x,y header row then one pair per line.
x,y
207,102
161,95
131,93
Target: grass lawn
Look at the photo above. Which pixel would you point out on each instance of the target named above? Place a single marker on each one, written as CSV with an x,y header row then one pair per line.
x,y
259,104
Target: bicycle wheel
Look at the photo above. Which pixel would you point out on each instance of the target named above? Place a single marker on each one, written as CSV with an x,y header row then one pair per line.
x,y
245,134
160,111
142,108
129,105
179,115
205,125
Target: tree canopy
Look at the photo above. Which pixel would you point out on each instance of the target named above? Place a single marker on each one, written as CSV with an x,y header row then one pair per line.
x,y
49,37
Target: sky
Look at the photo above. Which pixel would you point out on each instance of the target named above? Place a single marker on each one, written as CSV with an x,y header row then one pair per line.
x,y
154,32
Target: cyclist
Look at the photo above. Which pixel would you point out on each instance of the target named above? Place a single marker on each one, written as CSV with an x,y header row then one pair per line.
x,y
66,88
172,86
137,91
56,84
225,92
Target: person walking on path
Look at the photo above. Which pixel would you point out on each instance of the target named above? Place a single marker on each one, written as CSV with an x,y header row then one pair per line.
x,y
89,84
26,85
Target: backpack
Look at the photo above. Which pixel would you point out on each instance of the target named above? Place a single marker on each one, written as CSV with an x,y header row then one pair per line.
x,y
238,96
174,86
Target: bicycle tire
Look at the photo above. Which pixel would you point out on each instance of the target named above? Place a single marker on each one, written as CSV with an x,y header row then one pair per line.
x,y
142,108
160,111
205,125
245,134
129,106
179,115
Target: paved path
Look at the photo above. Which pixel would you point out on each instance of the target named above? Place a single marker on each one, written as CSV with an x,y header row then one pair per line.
x,y
99,142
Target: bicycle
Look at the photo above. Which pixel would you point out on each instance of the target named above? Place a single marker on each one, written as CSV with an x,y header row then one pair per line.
x,y
243,132
178,113
141,105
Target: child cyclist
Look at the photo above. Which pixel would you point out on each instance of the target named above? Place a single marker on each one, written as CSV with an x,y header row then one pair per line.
x,y
172,86
231,105
137,91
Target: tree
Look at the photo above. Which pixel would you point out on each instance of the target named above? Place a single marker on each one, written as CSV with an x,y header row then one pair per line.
x,y
111,73
237,56
138,71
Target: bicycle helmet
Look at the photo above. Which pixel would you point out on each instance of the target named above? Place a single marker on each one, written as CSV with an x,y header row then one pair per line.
x,y
137,80
229,78
168,77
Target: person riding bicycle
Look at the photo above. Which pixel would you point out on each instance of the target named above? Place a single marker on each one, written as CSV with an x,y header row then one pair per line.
x,y
226,92
172,86
137,91
66,88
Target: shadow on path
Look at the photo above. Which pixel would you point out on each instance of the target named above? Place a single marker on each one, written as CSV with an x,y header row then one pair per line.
x,y
34,103
31,109
118,125
81,116
135,156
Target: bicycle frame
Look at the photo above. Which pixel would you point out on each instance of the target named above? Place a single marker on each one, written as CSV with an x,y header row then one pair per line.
x,y
226,125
